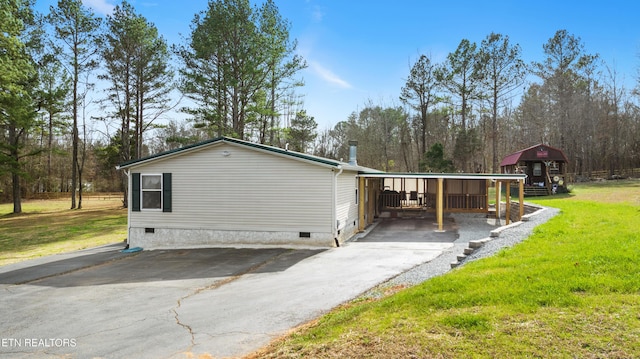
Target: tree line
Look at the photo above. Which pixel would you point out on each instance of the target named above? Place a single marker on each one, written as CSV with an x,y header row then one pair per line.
x,y
484,102
238,69
238,74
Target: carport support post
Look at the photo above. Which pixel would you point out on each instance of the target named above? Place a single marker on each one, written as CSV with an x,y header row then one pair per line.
x,y
361,206
371,199
521,198
507,205
440,203
498,197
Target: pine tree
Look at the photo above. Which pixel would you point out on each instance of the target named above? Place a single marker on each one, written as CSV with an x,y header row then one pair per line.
x,y
236,54
136,59
77,31
18,79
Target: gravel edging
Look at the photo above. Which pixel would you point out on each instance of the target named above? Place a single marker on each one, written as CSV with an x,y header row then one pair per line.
x,y
471,227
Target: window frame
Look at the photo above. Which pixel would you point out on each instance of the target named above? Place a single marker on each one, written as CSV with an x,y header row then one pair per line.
x,y
159,190
537,169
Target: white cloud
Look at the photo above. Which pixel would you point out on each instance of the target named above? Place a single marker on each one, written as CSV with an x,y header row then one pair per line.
x,y
317,14
99,6
328,75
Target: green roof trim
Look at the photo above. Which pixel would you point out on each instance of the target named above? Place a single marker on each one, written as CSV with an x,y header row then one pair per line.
x,y
224,139
432,175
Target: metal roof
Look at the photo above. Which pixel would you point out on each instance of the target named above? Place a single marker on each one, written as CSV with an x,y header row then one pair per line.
x,y
257,146
511,159
525,154
490,176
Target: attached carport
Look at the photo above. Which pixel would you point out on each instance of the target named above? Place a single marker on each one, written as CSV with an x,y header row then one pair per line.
x,y
434,192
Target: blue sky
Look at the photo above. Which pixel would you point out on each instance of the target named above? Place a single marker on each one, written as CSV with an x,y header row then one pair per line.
x,y
361,51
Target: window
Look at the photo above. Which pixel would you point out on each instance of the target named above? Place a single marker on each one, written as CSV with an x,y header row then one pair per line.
x,y
151,191
537,169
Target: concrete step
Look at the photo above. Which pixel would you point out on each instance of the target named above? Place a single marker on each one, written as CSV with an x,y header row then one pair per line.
x,y
475,244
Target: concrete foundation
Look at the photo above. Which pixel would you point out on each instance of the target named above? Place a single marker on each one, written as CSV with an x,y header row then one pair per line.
x,y
170,238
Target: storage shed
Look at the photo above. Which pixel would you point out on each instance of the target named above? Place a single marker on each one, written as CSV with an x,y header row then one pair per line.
x,y
545,167
229,192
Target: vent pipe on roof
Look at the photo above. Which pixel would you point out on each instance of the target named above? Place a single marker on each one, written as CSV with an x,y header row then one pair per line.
x,y
353,150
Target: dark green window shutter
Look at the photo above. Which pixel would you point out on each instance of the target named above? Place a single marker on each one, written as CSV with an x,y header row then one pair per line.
x,y
135,192
166,192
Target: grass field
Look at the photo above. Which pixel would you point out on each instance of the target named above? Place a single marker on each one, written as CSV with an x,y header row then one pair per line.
x,y
572,290
48,227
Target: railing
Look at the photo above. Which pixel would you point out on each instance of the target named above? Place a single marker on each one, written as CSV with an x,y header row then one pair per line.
x,y
466,202
390,199
605,174
395,199
452,202
61,195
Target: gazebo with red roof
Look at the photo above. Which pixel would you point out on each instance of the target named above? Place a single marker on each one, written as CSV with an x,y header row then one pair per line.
x,y
545,167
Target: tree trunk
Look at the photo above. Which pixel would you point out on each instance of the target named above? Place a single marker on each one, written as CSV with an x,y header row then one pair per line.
x,y
272,115
423,130
82,160
494,131
79,188
15,166
140,99
17,201
74,161
239,101
125,189
49,185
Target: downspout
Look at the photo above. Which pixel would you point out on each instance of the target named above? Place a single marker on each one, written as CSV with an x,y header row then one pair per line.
x,y
334,214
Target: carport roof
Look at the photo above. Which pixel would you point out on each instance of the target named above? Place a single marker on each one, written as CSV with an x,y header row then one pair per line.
x,y
489,176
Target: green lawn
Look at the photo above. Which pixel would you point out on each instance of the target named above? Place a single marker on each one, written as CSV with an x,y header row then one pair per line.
x,y
572,290
48,227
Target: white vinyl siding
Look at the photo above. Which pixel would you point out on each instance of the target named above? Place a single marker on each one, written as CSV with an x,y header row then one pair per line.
x,y
230,187
346,206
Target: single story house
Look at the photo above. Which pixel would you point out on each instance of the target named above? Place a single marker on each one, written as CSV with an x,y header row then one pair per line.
x,y
230,192
545,167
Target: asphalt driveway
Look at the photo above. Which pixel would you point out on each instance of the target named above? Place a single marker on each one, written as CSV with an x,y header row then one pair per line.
x,y
226,302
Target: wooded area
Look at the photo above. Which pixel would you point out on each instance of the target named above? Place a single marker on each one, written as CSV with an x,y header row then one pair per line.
x,y
238,74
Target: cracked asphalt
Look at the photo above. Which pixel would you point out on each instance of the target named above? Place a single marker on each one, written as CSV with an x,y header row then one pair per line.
x,y
224,302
